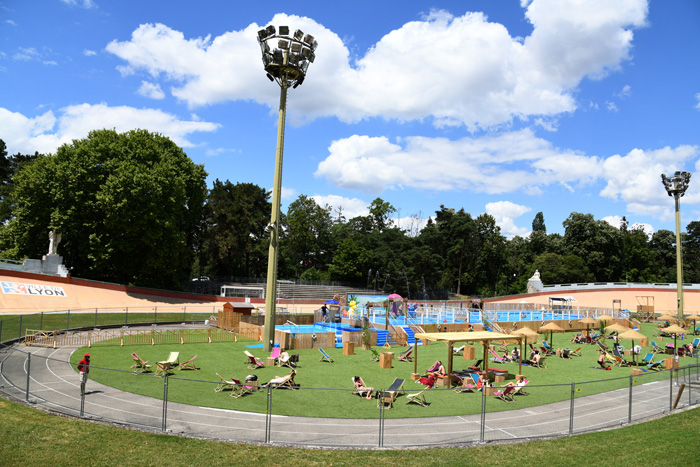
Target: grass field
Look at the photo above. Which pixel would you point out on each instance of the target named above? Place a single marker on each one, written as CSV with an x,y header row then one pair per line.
x,y
321,380
32,437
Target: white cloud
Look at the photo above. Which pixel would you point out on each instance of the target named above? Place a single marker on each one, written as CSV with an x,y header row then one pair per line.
x,y
505,163
87,4
697,98
89,53
349,207
636,178
151,90
47,132
10,22
616,221
460,70
505,213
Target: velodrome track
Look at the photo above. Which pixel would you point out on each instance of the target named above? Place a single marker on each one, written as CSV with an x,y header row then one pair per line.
x,y
54,385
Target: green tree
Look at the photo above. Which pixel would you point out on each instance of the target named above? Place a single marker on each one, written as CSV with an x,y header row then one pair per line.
x,y
234,238
380,212
307,241
599,243
538,223
558,269
128,206
9,166
663,247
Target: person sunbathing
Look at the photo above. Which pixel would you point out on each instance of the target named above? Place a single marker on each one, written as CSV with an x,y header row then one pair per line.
x,y
564,353
519,381
277,380
535,358
602,362
362,388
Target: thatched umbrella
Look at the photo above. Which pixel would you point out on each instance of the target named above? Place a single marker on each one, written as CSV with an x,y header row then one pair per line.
x,y
552,328
632,334
667,317
675,330
525,332
694,318
588,321
618,328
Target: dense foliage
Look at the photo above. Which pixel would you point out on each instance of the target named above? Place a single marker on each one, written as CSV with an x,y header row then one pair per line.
x,y
134,209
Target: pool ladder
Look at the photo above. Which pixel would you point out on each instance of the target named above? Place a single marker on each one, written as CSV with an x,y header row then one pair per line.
x,y
297,326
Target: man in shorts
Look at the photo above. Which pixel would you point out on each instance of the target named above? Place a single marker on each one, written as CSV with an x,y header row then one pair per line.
x,y
84,369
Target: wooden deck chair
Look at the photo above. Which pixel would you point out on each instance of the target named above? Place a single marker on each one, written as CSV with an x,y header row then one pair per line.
x,y
618,356
417,398
389,395
240,389
466,385
140,365
291,362
375,355
276,353
434,368
285,381
542,363
496,357
325,357
223,384
166,366
405,356
576,353
363,393
520,389
649,362
602,346
655,348
188,365
458,350
253,362
506,395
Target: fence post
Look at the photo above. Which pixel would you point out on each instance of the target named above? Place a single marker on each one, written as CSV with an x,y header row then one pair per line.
x,y
155,315
68,320
184,314
19,331
381,420
629,416
670,390
483,414
83,380
41,321
95,317
165,402
571,409
268,414
126,316
29,372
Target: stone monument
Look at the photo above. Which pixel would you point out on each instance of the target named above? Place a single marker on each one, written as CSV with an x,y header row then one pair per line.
x,y
534,284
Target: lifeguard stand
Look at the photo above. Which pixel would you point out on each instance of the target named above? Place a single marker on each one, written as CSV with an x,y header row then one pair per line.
x,y
645,309
617,306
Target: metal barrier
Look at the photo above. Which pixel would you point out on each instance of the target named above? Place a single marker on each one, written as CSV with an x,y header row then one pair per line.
x,y
276,416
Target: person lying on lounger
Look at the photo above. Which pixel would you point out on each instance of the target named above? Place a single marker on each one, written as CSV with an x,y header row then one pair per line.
x,y
440,371
362,388
278,380
535,358
563,353
518,381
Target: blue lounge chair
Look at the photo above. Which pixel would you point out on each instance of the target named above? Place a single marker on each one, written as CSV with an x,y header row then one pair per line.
x,y
325,357
655,348
648,360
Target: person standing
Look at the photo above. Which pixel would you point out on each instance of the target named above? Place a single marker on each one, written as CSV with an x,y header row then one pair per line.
x,y
84,369
324,311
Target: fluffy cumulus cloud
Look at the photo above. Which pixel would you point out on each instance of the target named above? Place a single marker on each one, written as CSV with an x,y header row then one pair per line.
x,y
47,132
151,90
636,178
505,163
467,70
616,221
347,207
505,213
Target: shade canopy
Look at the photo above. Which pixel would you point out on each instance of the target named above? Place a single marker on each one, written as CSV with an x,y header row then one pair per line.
x,y
552,327
674,329
617,328
605,318
588,320
667,317
632,334
693,317
332,302
527,332
394,295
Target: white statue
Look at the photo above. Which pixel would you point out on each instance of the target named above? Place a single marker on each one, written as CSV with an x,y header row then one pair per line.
x,y
536,276
54,240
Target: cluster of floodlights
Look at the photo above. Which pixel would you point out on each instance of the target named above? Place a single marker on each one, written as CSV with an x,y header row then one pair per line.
x,y
676,184
290,59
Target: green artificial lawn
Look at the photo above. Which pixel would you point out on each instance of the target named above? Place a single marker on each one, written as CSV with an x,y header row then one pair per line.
x,y
326,387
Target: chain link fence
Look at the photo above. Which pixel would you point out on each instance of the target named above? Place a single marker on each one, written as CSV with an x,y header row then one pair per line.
x,y
272,418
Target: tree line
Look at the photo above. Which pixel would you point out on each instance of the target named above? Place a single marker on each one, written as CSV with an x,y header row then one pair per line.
x,y
134,209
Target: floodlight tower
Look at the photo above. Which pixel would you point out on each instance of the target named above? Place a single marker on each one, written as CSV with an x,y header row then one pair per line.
x,y
676,186
286,62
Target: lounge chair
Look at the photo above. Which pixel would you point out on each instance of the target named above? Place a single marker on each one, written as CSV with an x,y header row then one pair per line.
x,y
291,362
239,389
390,395
467,384
417,398
458,350
655,348
164,367
506,395
275,354
542,363
139,366
285,381
576,353
188,365
223,384
434,368
649,362
253,362
362,393
520,388
696,342
547,348
496,357
405,356
325,357
618,356
602,346
375,355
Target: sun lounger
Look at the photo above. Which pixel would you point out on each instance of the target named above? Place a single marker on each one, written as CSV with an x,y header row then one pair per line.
x,y
649,362
576,353
375,355
496,357
188,365
253,362
520,388
165,366
291,362
434,368
285,381
417,398
239,389
506,395
223,384
618,356
405,356
275,354
389,395
458,350
325,357
467,384
139,366
362,393
655,348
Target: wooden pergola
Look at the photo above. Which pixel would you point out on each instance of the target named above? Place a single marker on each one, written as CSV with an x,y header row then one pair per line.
x,y
449,338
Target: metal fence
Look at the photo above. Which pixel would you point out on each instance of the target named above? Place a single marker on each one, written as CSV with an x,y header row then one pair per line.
x,y
38,376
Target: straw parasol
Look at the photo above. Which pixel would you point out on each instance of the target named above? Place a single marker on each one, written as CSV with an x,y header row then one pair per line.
x,y
667,317
694,318
675,330
552,328
587,321
605,318
632,334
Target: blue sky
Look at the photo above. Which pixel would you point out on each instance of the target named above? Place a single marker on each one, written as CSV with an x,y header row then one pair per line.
x,y
509,107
